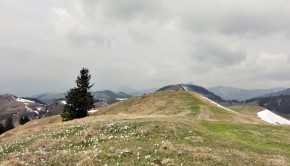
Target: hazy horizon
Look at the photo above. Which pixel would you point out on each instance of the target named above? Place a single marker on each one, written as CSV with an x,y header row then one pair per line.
x,y
143,44
130,90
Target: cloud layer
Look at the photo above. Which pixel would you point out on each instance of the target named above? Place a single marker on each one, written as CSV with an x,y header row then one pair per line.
x,y
143,44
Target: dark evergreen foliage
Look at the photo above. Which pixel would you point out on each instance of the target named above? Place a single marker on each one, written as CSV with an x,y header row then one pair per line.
x,y
59,99
79,99
8,124
23,120
233,101
279,104
164,88
197,89
203,91
2,129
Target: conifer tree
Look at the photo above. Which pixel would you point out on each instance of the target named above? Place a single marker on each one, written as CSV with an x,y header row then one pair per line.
x,y
2,129
8,125
23,120
79,99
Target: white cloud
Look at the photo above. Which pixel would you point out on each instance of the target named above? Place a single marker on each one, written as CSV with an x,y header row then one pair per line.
x,y
143,43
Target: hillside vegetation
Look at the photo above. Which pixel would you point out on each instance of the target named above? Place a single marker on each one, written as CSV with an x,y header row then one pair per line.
x,y
279,104
12,106
163,128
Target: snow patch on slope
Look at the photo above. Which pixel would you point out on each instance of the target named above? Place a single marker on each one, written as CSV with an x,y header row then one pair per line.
x,y
185,88
218,105
92,111
28,109
19,99
121,99
63,102
272,118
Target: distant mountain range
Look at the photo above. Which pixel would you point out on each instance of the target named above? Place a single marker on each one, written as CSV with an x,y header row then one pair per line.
x,y
15,107
279,93
48,98
141,92
231,93
103,95
193,88
110,95
46,104
134,92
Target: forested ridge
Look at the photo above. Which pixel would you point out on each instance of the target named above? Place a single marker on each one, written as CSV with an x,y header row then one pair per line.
x,y
280,104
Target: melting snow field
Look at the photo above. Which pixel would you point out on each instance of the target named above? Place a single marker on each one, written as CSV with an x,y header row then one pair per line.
x,y
23,100
217,104
185,88
28,109
63,102
121,99
270,117
92,111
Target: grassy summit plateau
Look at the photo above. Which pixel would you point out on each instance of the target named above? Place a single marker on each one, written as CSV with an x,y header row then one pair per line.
x,y
162,128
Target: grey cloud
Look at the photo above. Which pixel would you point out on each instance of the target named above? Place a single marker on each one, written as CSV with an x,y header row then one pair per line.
x,y
234,17
265,64
217,51
130,9
261,24
83,40
9,52
143,43
125,10
108,20
275,76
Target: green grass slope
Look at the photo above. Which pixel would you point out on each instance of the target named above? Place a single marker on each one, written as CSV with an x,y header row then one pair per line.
x,y
164,128
176,103
158,103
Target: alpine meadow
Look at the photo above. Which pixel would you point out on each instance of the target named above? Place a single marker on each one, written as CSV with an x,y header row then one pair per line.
x,y
144,83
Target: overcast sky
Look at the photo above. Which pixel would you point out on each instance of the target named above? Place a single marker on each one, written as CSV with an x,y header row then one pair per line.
x,y
143,43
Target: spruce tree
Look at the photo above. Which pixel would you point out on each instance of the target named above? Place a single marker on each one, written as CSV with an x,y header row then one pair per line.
x,y
2,129
8,125
23,120
79,99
